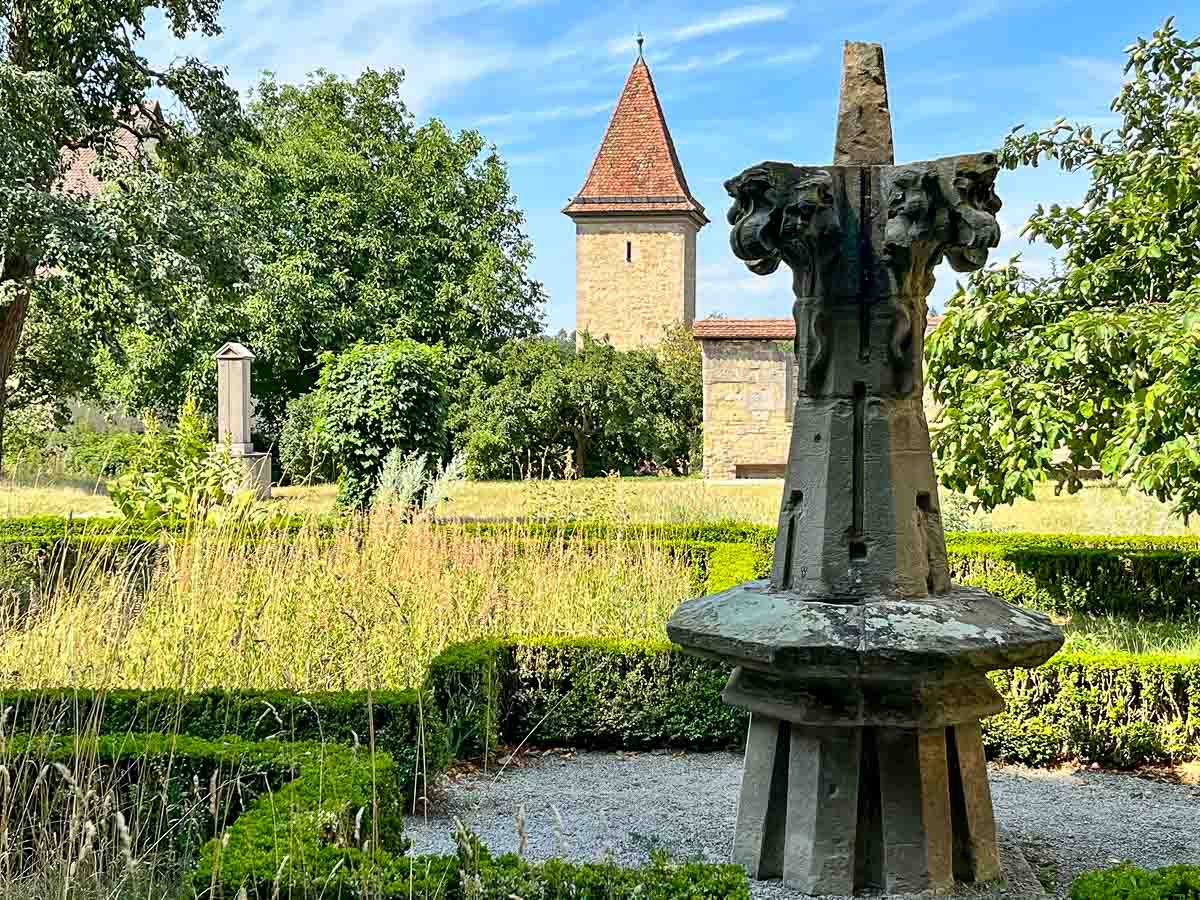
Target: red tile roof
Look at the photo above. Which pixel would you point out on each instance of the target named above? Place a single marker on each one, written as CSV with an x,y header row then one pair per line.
x,y
760,329
636,169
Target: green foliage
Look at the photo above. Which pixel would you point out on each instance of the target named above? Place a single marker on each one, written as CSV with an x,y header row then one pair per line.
x,y
71,77
329,261
1116,709
302,454
1128,882
1095,366
374,399
179,475
405,727
76,451
1153,578
560,412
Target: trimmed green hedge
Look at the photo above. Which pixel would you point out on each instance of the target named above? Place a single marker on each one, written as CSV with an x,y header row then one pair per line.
x,y
1128,882
1150,577
305,819
474,874
405,728
1116,709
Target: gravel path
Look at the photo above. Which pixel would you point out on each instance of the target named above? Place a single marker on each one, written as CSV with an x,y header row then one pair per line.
x,y
626,805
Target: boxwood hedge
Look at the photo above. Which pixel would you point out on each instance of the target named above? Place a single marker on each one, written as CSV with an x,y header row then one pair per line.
x,y
1128,882
1115,709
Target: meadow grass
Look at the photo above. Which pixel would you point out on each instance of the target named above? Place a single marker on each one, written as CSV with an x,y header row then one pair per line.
x,y
358,609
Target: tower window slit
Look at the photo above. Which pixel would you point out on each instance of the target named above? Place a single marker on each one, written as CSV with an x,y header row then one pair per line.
x,y
629,251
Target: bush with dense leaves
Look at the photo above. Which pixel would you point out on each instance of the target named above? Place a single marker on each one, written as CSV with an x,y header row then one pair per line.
x,y
303,456
377,398
180,475
1128,882
557,411
1117,709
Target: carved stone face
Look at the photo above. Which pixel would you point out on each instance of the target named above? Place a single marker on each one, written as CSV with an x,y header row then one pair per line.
x,y
910,205
974,205
946,207
781,213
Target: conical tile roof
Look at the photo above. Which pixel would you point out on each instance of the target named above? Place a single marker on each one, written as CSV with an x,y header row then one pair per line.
x,y
636,169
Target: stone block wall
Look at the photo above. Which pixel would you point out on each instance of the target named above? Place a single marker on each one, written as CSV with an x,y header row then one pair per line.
x,y
749,394
633,278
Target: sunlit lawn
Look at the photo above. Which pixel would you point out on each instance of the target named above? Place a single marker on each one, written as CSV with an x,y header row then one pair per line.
x,y
1097,509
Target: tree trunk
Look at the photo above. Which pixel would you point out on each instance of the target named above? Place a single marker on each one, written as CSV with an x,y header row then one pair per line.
x,y
12,322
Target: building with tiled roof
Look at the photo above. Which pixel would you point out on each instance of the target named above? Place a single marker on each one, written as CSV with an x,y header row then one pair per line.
x,y
749,394
635,226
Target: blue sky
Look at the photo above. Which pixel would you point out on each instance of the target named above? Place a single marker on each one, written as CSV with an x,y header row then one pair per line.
x,y
739,83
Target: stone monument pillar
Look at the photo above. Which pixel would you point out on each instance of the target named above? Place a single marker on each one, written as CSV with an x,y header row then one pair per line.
x,y
863,667
234,415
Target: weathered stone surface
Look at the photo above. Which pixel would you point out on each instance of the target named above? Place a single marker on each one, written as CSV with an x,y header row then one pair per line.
x,y
758,843
857,702
859,651
634,278
864,126
963,631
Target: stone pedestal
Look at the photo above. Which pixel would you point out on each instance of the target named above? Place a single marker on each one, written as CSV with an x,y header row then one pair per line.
x,y
864,760
862,665
234,416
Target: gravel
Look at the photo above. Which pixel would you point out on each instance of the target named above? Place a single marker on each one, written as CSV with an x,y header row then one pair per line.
x,y
587,806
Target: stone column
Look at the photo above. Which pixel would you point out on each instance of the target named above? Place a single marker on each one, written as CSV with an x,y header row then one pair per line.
x,y
234,415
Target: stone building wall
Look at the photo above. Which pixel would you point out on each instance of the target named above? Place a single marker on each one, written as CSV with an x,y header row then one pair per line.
x,y
749,394
633,278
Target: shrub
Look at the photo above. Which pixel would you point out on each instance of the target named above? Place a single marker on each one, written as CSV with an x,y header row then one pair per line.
x,y
303,456
376,398
557,411
1115,709
1128,882
179,475
1150,577
403,725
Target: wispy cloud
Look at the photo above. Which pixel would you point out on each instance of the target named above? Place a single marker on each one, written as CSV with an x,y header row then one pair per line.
x,y
738,17
935,108
1107,72
726,20
797,57
558,113
697,63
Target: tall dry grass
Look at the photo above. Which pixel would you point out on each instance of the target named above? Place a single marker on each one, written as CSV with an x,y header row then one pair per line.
x,y
364,607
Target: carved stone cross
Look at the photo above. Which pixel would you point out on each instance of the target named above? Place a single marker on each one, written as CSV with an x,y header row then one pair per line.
x,y
863,667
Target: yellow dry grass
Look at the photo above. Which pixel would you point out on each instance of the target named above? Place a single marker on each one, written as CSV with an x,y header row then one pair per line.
x,y
349,611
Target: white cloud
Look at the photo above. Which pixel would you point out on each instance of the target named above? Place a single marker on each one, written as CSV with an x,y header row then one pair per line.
x,y
799,56
347,38
696,63
557,113
935,108
1101,71
738,17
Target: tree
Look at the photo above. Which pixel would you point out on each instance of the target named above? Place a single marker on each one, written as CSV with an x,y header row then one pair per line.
x,y
71,79
555,410
1098,364
359,225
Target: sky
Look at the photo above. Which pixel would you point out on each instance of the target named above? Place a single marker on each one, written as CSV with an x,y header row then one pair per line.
x,y
738,82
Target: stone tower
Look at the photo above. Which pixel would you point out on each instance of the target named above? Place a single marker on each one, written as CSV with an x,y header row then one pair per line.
x,y
635,227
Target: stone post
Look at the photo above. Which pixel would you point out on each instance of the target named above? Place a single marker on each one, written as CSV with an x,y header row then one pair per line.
x,y
234,415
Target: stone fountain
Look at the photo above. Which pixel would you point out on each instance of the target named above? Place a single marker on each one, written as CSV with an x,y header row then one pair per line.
x,y
863,667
